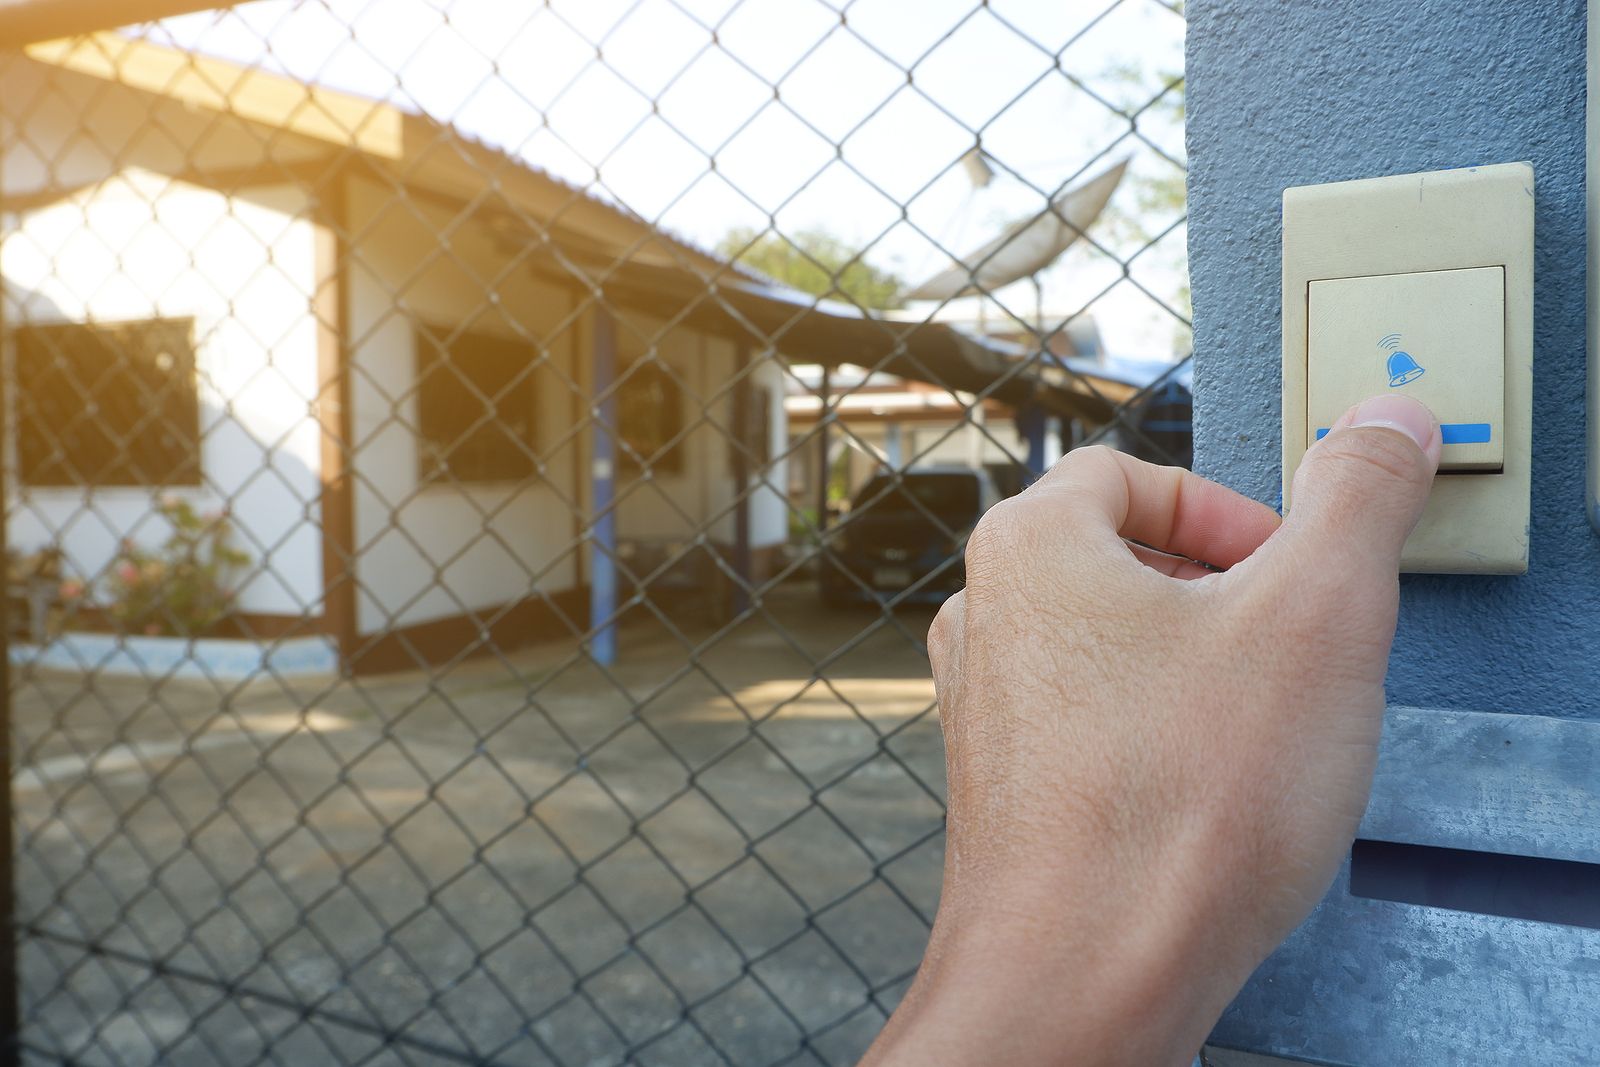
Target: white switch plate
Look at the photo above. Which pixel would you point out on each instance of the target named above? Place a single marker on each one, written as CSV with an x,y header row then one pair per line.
x,y
1481,217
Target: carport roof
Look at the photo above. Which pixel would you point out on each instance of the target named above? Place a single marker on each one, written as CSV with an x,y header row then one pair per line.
x,y
596,245
812,330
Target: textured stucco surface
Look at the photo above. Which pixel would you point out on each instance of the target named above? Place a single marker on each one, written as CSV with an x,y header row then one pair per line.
x,y
1312,91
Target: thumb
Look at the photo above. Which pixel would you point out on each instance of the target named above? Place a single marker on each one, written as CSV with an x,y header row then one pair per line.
x,y
1360,490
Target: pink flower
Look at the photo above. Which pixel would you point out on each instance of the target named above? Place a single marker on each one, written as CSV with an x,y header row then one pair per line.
x,y
70,589
128,571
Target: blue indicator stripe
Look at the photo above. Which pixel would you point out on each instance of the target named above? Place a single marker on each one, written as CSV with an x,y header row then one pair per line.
x,y
1465,433
1454,433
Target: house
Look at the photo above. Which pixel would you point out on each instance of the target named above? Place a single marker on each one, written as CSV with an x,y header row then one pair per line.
x,y
346,326
440,393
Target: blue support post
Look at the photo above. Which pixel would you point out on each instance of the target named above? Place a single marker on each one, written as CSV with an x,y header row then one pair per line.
x,y
893,445
1032,424
602,492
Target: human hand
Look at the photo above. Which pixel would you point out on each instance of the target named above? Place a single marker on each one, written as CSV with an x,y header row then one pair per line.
x,y
1155,767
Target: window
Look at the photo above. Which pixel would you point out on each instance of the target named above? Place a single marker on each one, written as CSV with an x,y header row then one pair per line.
x,y
475,407
650,418
108,404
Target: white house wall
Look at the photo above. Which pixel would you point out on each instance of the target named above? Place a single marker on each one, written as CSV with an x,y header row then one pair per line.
x,y
769,522
425,553
671,506
138,246
769,509
959,444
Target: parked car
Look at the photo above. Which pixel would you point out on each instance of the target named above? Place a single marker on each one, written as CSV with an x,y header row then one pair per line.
x,y
905,534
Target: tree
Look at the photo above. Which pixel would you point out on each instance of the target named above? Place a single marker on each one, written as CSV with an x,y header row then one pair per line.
x,y
813,261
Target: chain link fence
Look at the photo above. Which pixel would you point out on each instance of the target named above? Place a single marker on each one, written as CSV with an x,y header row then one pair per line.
x,y
477,478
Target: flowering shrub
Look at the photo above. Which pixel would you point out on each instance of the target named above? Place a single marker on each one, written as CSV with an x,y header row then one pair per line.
x,y
180,588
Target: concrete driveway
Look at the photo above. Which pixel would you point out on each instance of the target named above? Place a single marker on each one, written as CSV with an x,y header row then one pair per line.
x,y
725,848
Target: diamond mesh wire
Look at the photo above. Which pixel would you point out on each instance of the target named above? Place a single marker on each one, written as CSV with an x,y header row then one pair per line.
x,y
474,503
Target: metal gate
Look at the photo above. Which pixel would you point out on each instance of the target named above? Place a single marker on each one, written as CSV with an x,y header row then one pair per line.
x,y
477,478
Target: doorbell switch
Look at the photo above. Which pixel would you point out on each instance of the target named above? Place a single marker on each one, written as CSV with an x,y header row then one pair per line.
x,y
1438,336
1421,285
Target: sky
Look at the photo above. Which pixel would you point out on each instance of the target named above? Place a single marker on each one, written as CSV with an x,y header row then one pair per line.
x,y
844,115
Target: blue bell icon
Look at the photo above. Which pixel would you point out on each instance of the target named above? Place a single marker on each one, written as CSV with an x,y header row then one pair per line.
x,y
1403,369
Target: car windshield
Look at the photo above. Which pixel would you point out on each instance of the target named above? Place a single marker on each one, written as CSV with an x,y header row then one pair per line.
x,y
942,494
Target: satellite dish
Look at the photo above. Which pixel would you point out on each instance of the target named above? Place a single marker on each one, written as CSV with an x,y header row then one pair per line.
x,y
1025,248
976,164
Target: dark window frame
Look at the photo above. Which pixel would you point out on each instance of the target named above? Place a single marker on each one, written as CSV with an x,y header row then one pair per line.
x,y
650,419
132,422
454,447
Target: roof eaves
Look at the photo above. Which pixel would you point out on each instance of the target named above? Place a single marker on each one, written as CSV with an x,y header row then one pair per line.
x,y
378,129
24,22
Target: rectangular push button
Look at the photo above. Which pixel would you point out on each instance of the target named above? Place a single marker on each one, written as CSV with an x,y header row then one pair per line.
x,y
1436,335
